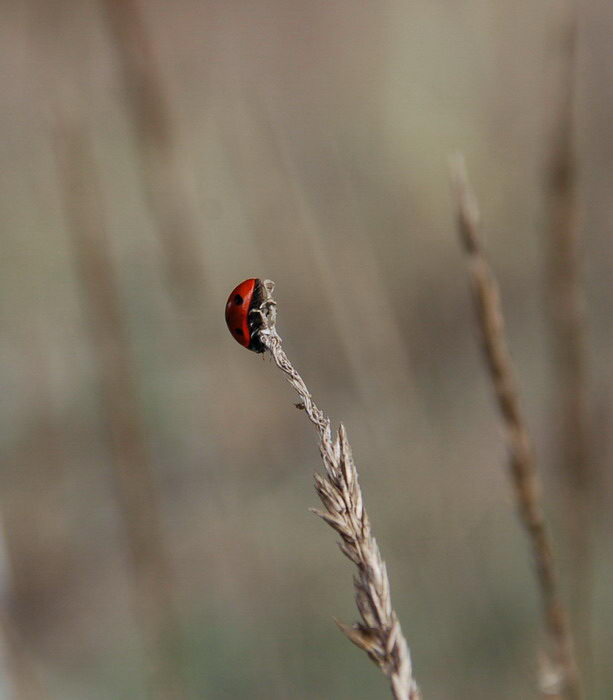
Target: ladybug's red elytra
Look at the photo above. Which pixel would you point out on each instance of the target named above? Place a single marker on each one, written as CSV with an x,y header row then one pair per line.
x,y
243,325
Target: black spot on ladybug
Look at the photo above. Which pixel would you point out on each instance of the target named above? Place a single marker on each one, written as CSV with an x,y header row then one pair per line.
x,y
238,299
239,331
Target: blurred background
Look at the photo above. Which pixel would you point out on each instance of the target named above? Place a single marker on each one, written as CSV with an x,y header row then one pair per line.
x,y
156,476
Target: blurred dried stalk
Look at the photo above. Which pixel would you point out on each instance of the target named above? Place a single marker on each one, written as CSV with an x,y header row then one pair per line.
x,y
19,678
567,328
160,170
379,633
522,459
135,482
32,499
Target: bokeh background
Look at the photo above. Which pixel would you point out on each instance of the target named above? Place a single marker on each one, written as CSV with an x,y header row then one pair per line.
x,y
156,476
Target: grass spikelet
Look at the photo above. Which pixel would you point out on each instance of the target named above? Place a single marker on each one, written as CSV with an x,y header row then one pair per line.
x,y
378,632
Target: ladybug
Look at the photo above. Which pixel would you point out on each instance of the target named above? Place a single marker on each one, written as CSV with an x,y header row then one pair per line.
x,y
243,324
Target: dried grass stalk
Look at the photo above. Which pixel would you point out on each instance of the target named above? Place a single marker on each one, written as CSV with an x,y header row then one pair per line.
x,y
568,331
378,633
136,487
564,678
162,172
18,669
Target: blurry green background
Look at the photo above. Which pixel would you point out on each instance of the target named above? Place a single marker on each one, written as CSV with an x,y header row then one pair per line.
x,y
154,154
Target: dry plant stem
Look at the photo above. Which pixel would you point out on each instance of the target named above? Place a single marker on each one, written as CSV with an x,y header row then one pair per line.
x,y
136,489
568,332
522,459
18,672
161,170
378,633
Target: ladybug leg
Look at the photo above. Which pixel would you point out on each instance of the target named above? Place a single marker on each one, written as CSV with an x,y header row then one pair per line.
x,y
270,311
266,313
261,316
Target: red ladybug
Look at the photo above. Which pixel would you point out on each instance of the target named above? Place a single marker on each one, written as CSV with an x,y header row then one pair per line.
x,y
243,325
